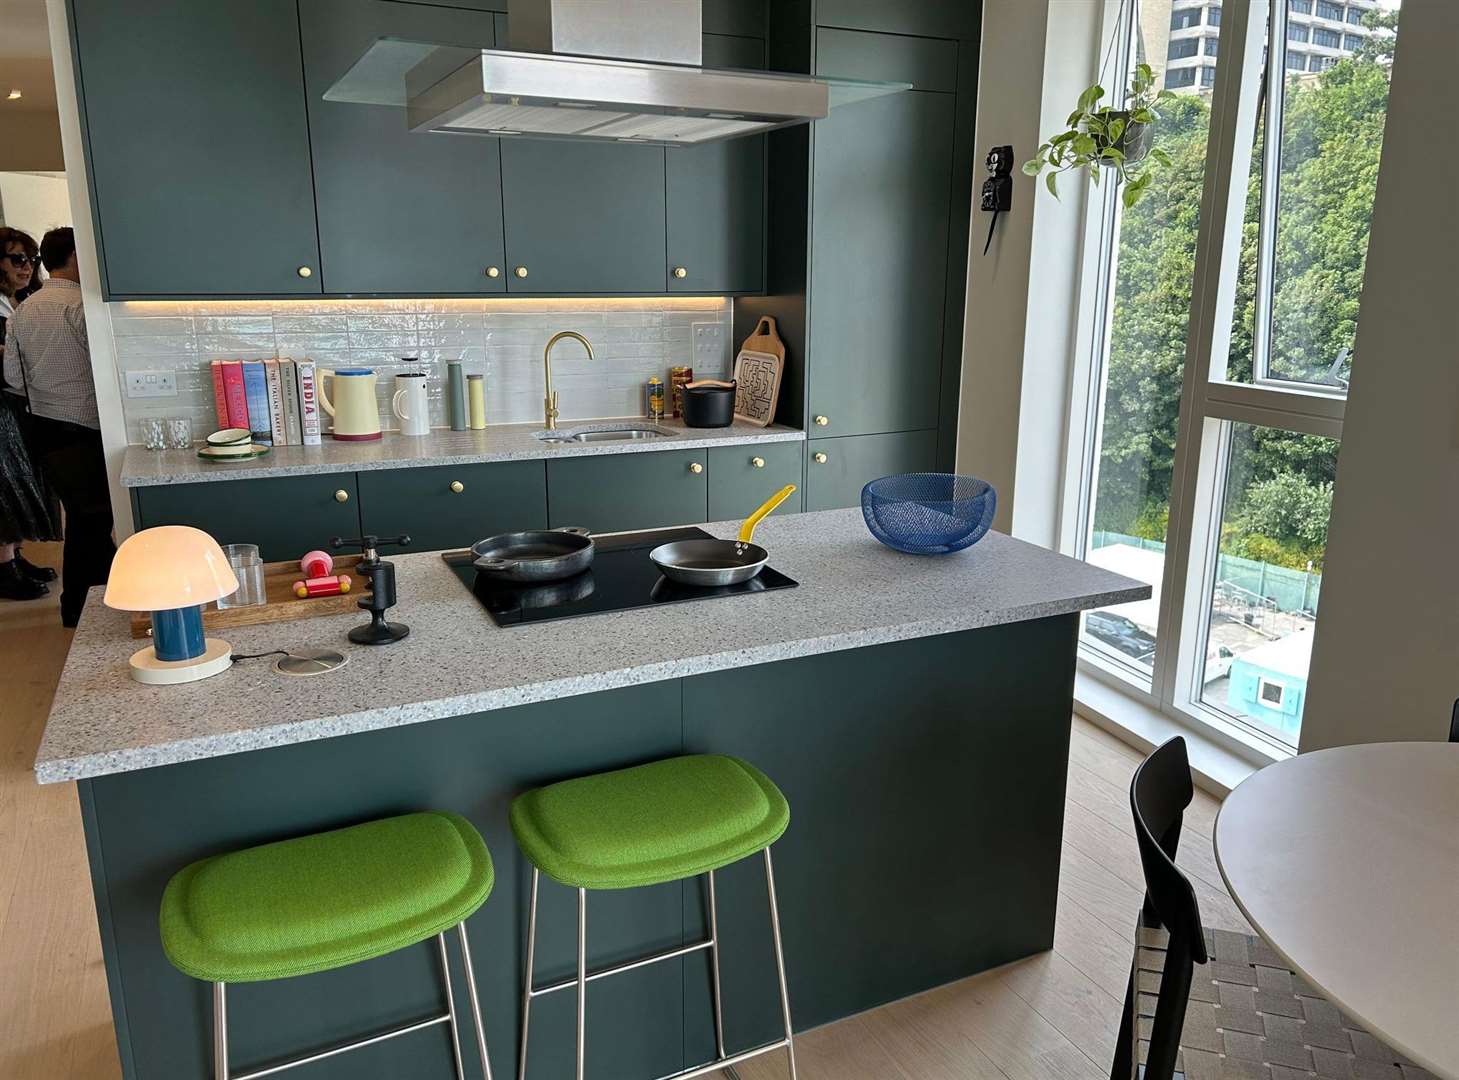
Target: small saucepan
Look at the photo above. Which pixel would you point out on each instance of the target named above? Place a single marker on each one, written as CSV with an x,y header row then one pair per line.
x,y
718,562
534,556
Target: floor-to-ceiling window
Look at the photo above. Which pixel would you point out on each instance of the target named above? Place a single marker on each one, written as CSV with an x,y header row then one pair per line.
x,y
1225,307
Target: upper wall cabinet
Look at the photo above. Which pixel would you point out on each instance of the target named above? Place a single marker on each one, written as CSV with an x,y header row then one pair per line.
x,y
199,146
398,212
583,217
881,194
716,197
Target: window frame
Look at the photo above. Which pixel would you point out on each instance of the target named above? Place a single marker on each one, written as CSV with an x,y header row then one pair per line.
x,y
1209,405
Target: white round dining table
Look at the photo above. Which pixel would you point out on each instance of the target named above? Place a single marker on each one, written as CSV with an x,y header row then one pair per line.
x,y
1347,862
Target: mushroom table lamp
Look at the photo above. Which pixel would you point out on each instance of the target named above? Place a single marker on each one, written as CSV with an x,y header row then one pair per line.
x,y
172,571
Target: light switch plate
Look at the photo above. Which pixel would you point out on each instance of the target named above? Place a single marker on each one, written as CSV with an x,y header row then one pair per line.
x,y
708,344
151,384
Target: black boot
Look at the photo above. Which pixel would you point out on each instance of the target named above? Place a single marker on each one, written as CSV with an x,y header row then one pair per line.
x,y
32,571
14,585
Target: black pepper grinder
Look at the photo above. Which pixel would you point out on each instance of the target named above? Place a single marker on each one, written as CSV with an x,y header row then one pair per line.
x,y
382,595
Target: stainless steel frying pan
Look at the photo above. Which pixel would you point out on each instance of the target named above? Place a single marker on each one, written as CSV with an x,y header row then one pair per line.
x,y
709,563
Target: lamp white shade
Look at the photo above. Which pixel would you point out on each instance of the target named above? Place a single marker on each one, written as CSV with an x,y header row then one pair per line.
x,y
171,566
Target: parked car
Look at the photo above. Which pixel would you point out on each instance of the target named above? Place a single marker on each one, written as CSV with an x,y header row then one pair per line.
x,y
1121,634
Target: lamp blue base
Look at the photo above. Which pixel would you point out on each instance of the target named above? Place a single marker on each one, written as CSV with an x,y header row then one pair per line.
x,y
177,634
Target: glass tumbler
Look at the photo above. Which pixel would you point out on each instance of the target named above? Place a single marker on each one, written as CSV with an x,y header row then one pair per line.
x,y
248,568
179,433
154,433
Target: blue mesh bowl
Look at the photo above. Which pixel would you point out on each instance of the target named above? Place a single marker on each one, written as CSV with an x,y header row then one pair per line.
x,y
928,513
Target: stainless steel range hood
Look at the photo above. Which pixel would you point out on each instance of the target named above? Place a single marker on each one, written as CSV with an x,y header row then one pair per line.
x,y
610,70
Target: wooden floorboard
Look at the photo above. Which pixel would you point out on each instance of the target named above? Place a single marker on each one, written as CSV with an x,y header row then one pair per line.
x,y
1050,1017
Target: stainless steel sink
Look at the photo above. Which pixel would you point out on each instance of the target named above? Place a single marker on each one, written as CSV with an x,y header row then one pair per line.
x,y
593,433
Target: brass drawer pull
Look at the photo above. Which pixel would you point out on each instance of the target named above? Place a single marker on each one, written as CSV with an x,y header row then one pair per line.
x,y
681,272
341,496
492,271
758,462
695,468
520,271
822,421
819,458
305,271
457,486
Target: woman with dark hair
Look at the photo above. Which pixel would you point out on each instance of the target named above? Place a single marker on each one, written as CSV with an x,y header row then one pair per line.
x,y
25,506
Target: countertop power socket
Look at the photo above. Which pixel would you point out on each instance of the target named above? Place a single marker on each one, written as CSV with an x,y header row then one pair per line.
x,y
145,384
708,345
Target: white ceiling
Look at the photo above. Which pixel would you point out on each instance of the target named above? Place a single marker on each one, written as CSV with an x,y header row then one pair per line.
x,y
25,57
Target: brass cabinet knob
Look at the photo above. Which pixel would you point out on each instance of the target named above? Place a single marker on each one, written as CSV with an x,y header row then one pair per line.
x,y
822,421
305,271
457,486
341,496
492,271
520,271
819,458
758,462
695,468
680,272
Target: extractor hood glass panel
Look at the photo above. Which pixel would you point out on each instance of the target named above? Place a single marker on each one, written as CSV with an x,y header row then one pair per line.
x,y
378,77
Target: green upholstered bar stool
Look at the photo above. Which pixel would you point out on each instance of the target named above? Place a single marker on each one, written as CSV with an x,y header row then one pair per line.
x,y
325,901
664,821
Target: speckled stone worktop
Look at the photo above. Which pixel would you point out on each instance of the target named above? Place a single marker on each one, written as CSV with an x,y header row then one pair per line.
x,y
853,593
506,442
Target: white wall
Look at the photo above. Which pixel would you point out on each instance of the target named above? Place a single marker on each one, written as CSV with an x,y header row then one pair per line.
x,y
1385,662
1038,55
34,202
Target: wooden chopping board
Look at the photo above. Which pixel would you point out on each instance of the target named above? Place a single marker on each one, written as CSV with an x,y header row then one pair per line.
x,y
282,605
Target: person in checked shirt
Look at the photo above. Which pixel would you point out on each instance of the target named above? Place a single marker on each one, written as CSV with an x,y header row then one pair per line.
x,y
48,359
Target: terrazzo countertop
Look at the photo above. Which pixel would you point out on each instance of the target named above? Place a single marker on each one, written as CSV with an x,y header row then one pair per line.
x,y
507,442
853,593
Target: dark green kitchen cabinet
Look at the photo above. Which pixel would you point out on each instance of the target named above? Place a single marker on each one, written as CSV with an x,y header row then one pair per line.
x,y
284,516
453,506
837,469
198,143
743,477
398,211
716,197
647,490
881,194
583,217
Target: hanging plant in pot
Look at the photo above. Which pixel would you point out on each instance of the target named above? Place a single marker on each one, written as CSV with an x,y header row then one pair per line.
x,y
1120,140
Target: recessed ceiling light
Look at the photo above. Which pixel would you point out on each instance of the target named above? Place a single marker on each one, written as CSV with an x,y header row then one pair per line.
x,y
14,95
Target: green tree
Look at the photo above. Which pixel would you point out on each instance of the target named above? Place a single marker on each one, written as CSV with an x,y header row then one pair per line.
x,y
1332,135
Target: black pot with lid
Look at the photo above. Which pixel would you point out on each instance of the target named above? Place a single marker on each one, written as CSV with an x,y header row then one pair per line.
x,y
709,403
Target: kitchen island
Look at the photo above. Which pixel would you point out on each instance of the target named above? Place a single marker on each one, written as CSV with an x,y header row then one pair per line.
x,y
914,710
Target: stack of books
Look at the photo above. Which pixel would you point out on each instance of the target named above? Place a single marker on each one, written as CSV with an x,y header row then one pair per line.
x,y
277,400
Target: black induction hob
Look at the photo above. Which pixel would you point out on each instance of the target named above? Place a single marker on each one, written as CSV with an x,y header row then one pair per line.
x,y
621,577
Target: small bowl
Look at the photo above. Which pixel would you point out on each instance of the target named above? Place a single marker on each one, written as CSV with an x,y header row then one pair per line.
x,y
928,513
230,437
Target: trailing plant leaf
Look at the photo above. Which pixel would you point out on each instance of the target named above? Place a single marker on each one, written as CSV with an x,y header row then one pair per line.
x,y
1097,137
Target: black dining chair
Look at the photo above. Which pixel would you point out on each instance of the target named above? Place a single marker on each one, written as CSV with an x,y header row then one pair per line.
x,y
1159,793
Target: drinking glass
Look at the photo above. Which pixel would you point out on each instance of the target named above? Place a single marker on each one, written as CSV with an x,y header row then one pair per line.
x,y
154,433
248,568
179,433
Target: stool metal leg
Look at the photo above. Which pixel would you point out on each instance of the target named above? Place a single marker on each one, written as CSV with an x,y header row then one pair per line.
x,y
714,967
582,980
780,963
220,1032
454,1023
474,999
527,978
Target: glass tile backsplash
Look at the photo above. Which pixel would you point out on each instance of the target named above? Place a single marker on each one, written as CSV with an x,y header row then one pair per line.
x,y
502,339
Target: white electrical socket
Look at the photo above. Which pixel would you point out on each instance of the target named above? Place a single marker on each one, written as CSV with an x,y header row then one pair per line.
x,y
149,384
708,343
